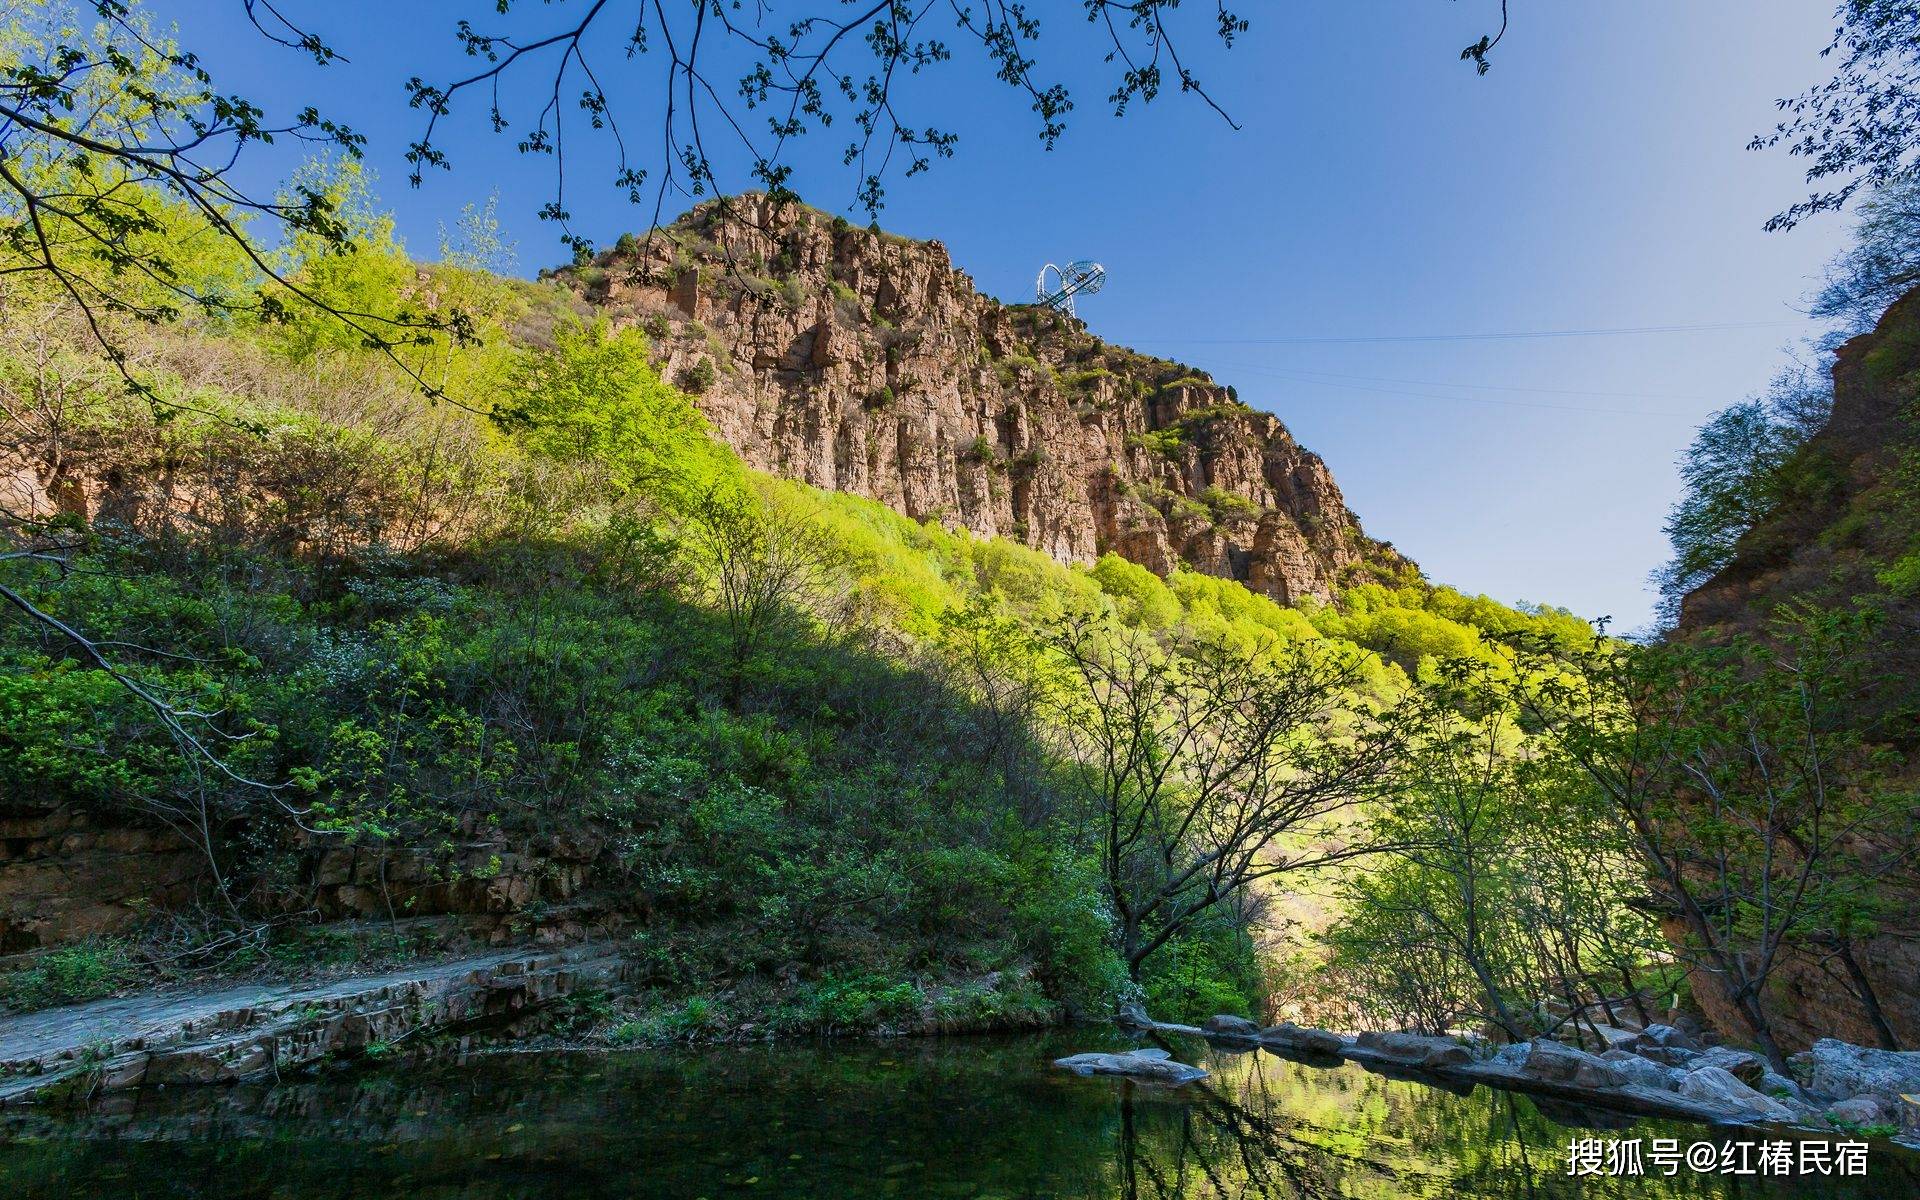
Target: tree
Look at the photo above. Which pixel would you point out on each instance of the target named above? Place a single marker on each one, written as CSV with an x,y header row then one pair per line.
x,y
1213,768
1508,894
1783,753
1742,777
104,116
118,185
1862,127
1734,473
595,397
1881,265
769,568
1859,129
792,81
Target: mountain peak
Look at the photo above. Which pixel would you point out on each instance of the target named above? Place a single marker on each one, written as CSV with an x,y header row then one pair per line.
x,y
863,362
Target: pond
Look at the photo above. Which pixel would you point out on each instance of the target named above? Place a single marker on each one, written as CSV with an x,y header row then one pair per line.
x,y
970,1118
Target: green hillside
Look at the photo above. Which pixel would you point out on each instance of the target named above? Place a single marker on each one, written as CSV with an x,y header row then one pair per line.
x,y
540,645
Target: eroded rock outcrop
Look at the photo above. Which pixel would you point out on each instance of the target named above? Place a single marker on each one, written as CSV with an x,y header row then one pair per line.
x,y
865,363
65,875
1883,1077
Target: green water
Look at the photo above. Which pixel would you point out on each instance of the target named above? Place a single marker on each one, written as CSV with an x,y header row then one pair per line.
x,y
965,1118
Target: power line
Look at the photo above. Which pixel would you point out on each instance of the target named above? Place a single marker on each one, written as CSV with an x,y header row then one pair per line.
x,y
1481,387
1406,395
1503,336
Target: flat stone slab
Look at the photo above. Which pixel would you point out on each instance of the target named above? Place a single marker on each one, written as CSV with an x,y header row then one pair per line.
x,y
246,1030
1147,1066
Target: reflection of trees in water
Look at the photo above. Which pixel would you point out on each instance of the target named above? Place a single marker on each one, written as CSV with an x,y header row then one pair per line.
x,y
1254,1132
950,1118
1229,1143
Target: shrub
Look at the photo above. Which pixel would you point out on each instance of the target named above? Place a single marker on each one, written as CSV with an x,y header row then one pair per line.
x,y
1212,970
1902,576
1164,442
1227,506
855,1003
698,377
82,971
982,450
1188,381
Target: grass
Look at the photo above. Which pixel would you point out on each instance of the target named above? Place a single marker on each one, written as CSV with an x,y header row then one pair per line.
x,y
72,974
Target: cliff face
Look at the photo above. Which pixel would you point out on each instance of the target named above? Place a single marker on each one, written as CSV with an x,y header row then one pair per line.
x,y
1839,539
1850,511
865,363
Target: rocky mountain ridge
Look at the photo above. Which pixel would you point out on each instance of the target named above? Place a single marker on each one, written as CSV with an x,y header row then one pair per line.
x,y
857,361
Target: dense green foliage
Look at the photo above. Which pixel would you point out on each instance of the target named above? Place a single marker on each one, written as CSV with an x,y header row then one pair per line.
x,y
400,589
784,721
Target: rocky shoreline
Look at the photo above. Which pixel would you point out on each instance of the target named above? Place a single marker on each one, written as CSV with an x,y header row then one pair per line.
x,y
249,1032
1658,1071
257,1031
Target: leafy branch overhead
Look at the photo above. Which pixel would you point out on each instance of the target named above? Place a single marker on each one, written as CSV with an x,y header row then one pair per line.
x,y
1858,129
759,86
117,181
119,154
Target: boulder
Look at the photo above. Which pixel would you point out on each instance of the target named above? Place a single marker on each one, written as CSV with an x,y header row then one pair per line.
x,y
1860,1110
1628,1020
1222,1025
1667,1036
1415,1049
1836,1068
1556,1063
1744,1065
1670,1056
1511,1055
1642,1072
1149,1067
1716,1087
1602,1038
1288,1036
1134,1016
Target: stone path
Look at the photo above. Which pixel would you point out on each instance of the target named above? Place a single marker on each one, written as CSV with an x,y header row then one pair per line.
x,y
247,1031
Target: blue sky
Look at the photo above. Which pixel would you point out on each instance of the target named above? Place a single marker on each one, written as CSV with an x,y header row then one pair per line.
x,y
1379,202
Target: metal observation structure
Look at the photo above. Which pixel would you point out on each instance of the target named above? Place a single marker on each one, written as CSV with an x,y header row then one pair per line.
x,y
1083,277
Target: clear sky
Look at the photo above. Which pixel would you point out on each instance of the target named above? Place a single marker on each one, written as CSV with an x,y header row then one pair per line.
x,y
1337,257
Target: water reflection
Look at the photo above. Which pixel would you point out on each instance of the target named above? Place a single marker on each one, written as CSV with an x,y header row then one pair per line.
x,y
980,1119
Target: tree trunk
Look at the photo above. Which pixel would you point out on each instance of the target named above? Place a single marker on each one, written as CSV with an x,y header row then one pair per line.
x,y
1755,1015
1869,999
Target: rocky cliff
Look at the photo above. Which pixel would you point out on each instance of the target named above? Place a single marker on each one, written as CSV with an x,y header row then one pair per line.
x,y
865,363
1847,534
